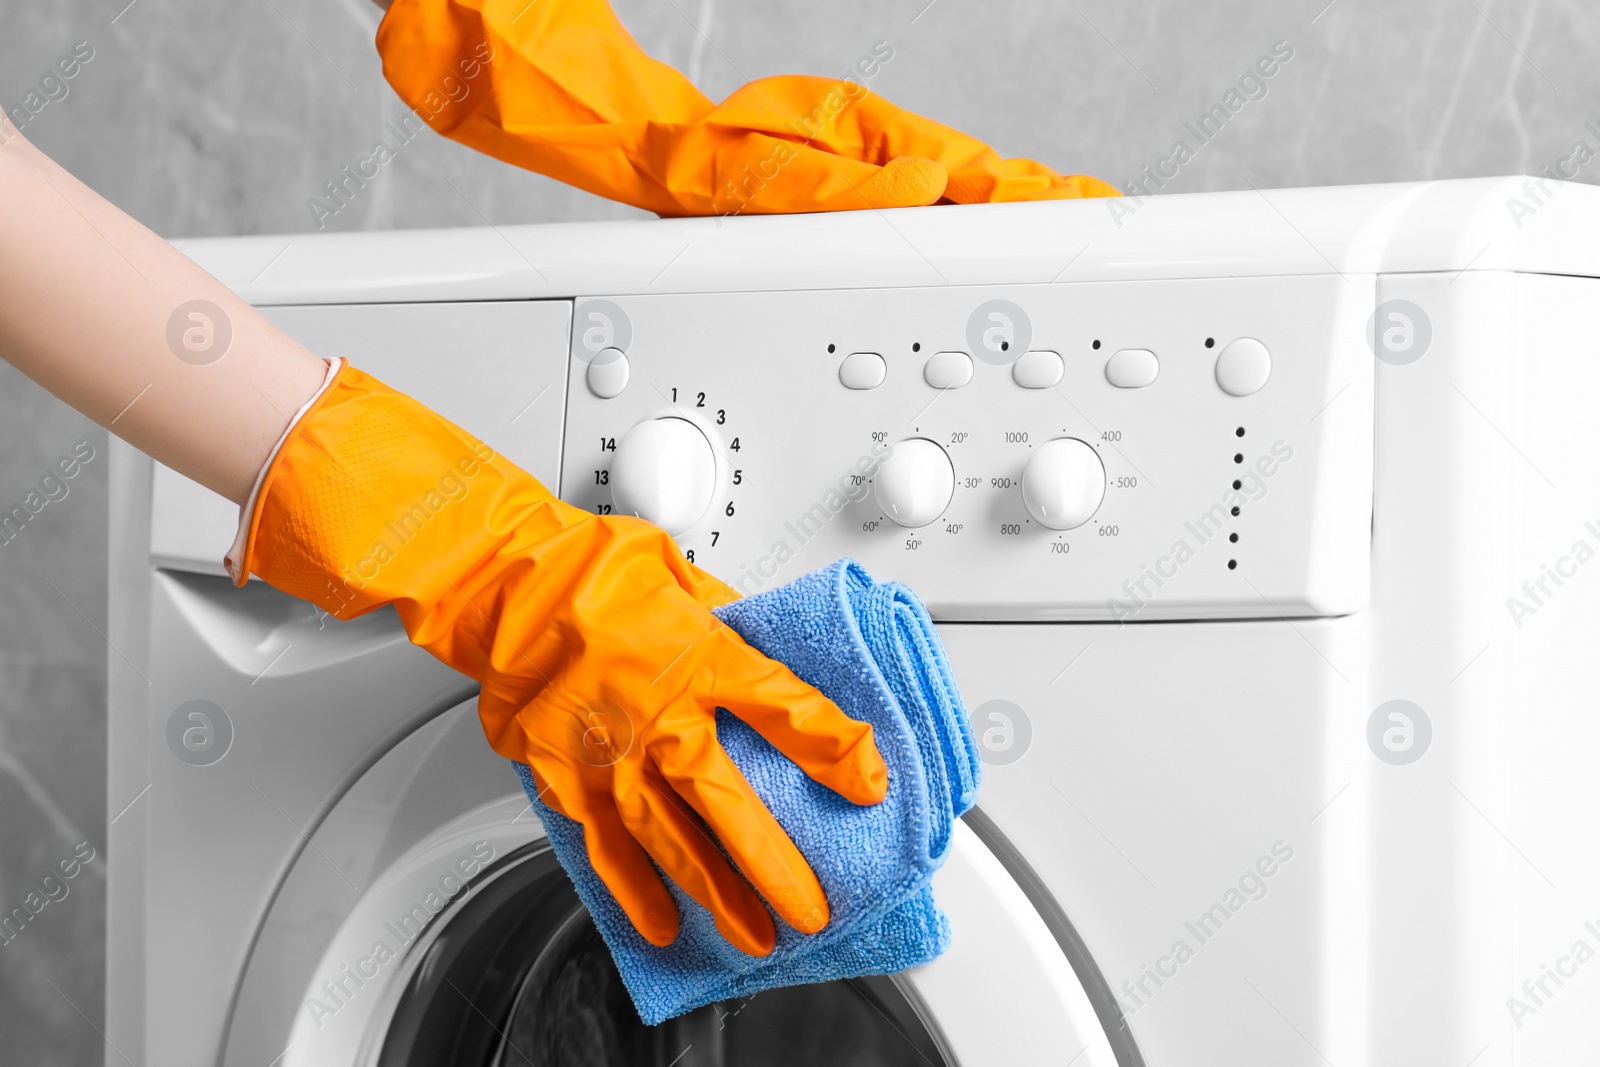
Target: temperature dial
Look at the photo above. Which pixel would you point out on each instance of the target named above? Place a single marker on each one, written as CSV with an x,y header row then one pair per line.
x,y
915,483
665,471
1063,483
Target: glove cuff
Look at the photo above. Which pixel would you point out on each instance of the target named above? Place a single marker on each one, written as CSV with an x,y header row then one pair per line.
x,y
236,554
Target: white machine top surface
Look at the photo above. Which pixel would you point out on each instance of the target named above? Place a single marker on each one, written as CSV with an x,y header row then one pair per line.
x,y
1479,224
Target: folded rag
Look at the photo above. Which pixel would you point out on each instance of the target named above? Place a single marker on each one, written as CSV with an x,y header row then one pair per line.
x,y
872,649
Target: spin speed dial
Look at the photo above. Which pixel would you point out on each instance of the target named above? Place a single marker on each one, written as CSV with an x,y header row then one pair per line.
x,y
1063,483
665,471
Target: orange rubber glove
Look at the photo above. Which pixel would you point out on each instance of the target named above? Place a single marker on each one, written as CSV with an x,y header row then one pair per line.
x,y
600,662
559,87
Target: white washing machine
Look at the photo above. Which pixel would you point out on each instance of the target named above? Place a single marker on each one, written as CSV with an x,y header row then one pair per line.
x,y
1257,528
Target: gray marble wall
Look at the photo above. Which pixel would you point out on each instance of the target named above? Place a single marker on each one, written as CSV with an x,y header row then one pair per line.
x,y
205,118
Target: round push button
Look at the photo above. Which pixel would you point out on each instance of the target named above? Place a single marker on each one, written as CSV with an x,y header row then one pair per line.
x,y
1243,366
608,373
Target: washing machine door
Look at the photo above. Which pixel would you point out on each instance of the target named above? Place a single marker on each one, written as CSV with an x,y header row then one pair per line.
x,y
426,922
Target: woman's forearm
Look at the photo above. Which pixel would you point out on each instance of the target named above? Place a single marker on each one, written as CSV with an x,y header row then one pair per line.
x,y
120,325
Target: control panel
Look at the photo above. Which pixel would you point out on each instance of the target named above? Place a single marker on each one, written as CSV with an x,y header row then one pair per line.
x,y
1107,450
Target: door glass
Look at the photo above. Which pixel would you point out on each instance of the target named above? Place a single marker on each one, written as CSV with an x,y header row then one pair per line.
x,y
520,976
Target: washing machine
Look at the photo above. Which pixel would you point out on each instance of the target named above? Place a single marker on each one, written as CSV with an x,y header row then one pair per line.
x,y
1256,525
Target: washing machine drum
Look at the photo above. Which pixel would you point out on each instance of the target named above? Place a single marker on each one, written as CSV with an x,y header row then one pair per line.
x,y
520,977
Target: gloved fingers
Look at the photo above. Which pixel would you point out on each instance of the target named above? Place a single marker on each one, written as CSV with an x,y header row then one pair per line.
x,y
848,119
845,119
713,169
625,868
990,180
830,746
674,838
799,178
1089,187
835,116
700,771
614,853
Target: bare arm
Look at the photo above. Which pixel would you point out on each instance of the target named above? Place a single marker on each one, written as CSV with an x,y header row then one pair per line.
x,y
87,296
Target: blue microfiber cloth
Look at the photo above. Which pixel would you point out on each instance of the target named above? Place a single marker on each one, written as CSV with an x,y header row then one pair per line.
x,y
871,648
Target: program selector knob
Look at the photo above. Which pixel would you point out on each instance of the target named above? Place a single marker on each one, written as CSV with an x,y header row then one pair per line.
x,y
1063,483
665,471
915,483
